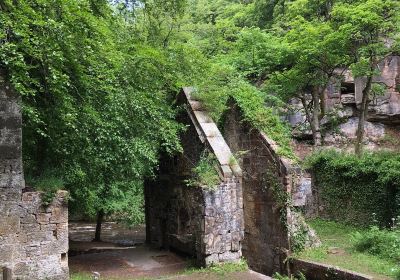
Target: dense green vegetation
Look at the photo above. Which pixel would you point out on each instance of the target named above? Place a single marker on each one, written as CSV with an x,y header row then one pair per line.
x,y
205,173
360,190
382,243
368,251
98,80
95,91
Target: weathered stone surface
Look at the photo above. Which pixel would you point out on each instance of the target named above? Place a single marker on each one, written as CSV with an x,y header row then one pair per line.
x,y
302,191
266,241
386,108
348,131
343,99
206,223
28,246
348,99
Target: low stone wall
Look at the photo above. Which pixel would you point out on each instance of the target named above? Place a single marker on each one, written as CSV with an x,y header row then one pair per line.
x,y
33,239
203,222
318,271
41,251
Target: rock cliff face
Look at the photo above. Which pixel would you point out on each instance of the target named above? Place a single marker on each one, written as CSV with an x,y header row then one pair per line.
x,y
342,102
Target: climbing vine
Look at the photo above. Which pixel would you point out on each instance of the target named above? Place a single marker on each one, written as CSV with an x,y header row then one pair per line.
x,y
358,189
298,233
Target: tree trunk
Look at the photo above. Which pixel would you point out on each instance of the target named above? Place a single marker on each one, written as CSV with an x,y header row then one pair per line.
x,y
363,116
100,217
315,123
322,104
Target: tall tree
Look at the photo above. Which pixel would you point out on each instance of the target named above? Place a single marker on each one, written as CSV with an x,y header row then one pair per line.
x,y
317,50
95,100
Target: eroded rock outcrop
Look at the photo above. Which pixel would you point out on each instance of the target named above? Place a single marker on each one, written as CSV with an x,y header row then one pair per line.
x,y
342,102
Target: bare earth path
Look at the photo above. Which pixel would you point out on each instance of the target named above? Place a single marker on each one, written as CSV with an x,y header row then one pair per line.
x,y
123,256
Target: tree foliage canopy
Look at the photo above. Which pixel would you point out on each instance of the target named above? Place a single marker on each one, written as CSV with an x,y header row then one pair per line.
x,y
98,78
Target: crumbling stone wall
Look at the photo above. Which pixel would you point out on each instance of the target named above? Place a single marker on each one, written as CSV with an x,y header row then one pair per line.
x,y
266,239
206,223
33,238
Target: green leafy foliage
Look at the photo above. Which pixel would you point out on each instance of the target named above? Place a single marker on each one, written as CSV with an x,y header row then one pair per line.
x,y
205,173
358,189
382,243
251,100
95,98
298,276
48,183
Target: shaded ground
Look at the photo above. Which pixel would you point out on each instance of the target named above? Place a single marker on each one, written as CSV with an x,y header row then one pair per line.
x,y
111,232
129,262
144,262
124,256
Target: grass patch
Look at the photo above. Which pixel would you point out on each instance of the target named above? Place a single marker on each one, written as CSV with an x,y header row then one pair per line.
x,y
219,269
48,183
80,276
339,249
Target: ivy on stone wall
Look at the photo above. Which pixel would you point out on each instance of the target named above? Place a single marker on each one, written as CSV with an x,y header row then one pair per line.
x,y
299,231
358,189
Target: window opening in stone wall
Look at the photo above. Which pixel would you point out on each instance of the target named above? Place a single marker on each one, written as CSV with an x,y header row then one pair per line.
x,y
348,88
63,257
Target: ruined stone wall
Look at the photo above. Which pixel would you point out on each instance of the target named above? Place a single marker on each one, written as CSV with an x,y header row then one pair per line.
x,y
206,223
33,238
266,240
319,271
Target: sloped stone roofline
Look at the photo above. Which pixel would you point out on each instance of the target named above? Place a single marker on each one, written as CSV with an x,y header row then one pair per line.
x,y
284,162
210,135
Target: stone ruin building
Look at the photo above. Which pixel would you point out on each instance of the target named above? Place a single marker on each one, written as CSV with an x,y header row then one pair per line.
x,y
241,216
33,238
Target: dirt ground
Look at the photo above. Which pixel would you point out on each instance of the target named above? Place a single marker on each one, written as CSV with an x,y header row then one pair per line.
x,y
141,261
123,255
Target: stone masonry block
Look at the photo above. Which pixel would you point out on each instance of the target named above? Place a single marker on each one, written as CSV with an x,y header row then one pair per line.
x,y
9,224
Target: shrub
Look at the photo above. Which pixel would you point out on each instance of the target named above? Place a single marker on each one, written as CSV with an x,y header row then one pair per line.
x,y
382,243
48,183
204,173
358,189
